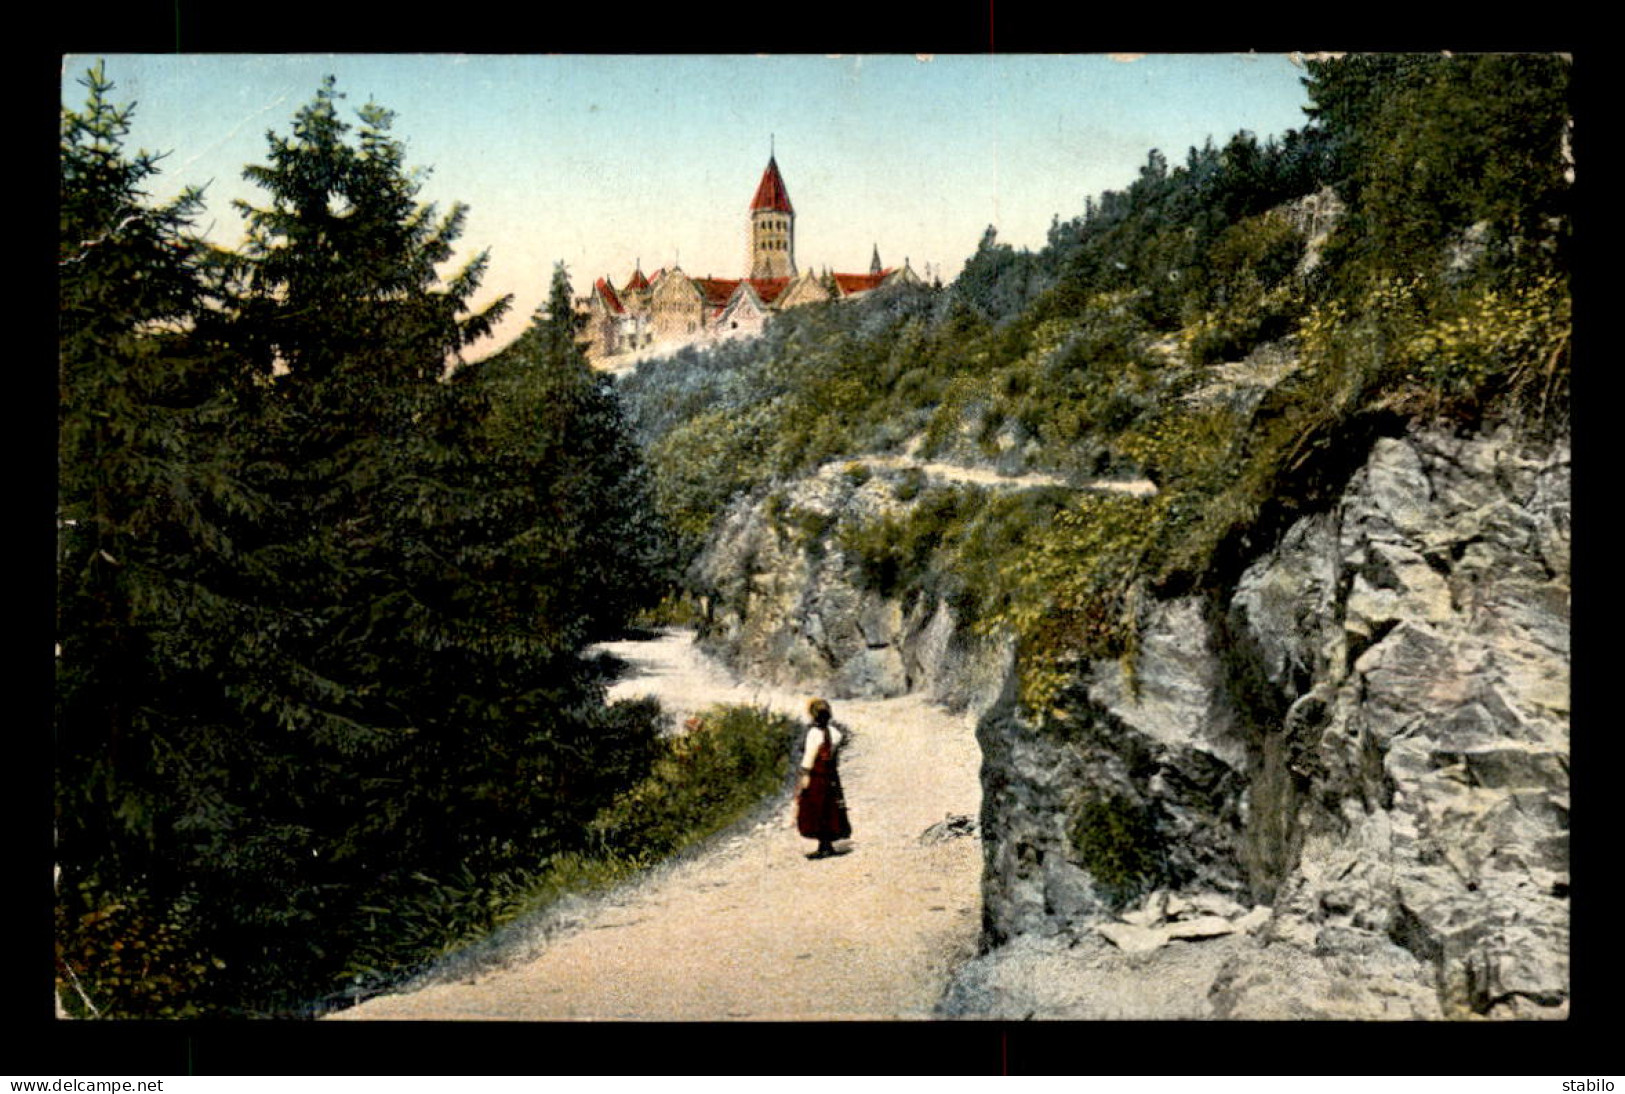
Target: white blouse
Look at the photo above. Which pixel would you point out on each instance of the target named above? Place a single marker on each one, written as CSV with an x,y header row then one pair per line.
x,y
815,738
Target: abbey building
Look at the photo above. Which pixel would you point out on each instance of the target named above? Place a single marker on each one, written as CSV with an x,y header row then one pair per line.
x,y
670,309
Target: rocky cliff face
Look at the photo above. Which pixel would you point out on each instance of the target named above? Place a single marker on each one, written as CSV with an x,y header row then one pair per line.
x,y
1365,740
786,606
1336,789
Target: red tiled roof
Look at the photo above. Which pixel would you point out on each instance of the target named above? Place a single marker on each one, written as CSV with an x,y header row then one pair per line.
x,y
637,281
771,194
716,290
769,288
609,296
851,283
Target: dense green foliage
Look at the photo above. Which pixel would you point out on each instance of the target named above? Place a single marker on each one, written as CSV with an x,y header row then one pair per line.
x,y
549,410
732,418
703,780
1116,841
321,607
953,544
699,783
1423,148
148,482
1402,256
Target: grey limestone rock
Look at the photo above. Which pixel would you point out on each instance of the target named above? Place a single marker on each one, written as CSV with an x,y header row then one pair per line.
x,y
1179,699
1131,938
953,826
1364,739
1203,926
1091,978
1288,982
787,606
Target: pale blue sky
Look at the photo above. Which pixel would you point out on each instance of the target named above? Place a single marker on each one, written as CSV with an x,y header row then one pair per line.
x,y
604,160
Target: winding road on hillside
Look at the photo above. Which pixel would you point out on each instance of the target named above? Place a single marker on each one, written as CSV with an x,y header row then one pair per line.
x,y
987,476
750,929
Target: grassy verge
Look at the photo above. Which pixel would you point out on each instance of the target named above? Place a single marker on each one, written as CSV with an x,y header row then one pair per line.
x,y
716,774
706,779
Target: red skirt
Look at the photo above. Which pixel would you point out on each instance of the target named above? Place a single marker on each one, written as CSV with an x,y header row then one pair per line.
x,y
821,809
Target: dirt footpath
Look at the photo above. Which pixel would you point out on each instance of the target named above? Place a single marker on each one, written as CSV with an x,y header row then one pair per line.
x,y
752,929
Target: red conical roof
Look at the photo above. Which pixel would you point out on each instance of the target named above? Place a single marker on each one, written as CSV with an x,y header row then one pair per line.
x,y
771,194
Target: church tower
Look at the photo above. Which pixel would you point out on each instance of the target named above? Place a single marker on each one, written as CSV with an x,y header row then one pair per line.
x,y
772,227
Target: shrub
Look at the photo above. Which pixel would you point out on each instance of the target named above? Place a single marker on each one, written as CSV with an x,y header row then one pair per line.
x,y
910,482
1253,255
129,956
878,553
677,608
1510,342
702,464
893,553
700,783
811,527
706,779
1069,590
1116,841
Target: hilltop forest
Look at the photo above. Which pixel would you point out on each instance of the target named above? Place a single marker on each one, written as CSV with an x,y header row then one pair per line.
x,y
326,579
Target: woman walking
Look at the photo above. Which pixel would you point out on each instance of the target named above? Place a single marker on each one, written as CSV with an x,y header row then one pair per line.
x,y
820,806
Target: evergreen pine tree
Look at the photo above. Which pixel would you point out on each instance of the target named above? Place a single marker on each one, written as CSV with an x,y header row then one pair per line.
x,y
147,623
321,611
1424,147
437,555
